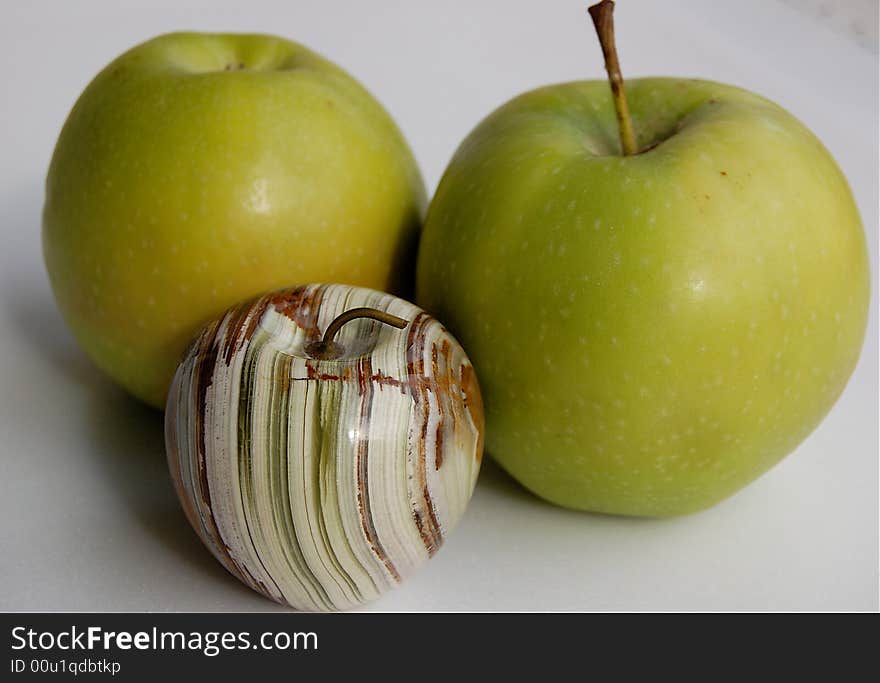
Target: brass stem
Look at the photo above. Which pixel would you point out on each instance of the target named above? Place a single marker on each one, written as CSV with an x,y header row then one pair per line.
x,y
364,312
328,349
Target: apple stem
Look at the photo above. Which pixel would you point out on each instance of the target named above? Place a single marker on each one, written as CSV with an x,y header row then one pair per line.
x,y
327,349
603,19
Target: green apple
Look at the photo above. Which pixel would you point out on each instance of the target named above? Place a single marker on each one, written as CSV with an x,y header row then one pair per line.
x,y
198,170
651,331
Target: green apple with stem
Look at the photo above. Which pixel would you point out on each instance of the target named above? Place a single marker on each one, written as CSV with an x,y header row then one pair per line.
x,y
663,288
197,170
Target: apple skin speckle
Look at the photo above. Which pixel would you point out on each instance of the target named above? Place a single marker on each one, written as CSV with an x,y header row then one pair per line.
x,y
168,161
733,295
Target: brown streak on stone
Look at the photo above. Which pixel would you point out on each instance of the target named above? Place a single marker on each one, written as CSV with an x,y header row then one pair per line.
x,y
438,435
241,324
206,363
311,371
257,315
384,380
417,441
473,401
363,484
438,446
415,365
414,383
301,305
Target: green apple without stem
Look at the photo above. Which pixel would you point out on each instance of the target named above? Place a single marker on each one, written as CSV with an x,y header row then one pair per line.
x,y
198,170
651,330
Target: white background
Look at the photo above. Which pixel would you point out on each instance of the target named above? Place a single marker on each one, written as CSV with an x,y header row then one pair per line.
x,y
88,519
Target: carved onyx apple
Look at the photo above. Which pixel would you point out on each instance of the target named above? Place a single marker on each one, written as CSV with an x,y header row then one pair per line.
x,y
321,453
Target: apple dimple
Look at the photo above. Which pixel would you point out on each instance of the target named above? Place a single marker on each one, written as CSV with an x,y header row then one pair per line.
x,y
217,53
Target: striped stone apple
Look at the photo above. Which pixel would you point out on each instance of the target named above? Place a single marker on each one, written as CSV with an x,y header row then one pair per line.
x,y
321,453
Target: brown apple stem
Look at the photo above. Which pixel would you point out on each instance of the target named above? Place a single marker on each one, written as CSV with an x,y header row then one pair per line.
x,y
603,19
327,349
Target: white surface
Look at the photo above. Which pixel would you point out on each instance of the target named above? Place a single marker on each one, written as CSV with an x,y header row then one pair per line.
x,y
88,520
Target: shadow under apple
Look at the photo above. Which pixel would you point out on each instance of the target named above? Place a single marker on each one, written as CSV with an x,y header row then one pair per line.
x,y
125,437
